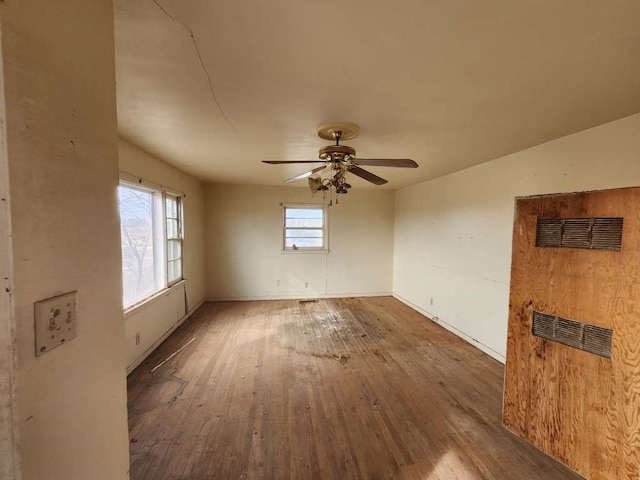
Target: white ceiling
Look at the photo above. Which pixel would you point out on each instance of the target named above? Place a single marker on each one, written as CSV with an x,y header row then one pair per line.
x,y
214,87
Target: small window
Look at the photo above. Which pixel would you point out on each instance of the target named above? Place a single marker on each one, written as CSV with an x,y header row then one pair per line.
x,y
173,217
304,228
151,241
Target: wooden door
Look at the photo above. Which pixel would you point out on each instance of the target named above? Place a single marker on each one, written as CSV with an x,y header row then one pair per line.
x,y
580,407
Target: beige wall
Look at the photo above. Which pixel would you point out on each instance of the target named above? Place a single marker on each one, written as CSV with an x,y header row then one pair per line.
x,y
453,234
158,318
63,174
244,236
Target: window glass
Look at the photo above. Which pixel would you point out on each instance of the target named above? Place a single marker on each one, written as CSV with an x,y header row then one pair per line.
x,y
139,272
174,269
304,227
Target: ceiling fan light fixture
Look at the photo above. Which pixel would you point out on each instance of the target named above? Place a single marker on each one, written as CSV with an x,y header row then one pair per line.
x,y
341,159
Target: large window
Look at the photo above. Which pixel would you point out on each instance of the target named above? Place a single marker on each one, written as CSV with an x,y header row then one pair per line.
x,y
151,237
304,228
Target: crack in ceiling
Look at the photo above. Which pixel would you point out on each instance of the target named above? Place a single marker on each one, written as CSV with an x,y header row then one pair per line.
x,y
448,85
204,67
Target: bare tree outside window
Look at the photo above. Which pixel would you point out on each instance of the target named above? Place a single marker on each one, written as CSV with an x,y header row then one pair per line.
x,y
139,276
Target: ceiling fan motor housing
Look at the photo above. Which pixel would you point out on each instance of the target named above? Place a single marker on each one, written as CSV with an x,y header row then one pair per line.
x,y
336,153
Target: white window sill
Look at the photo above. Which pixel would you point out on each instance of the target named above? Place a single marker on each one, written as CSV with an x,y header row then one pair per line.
x,y
305,250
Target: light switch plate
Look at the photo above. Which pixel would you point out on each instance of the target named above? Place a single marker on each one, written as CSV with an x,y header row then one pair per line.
x,y
55,320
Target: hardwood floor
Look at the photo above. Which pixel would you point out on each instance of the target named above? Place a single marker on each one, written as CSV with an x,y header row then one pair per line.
x,y
334,389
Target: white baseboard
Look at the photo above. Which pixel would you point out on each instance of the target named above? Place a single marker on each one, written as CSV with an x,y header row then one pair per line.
x,y
459,333
164,336
298,297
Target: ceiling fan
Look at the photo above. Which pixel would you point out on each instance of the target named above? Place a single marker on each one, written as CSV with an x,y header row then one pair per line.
x,y
340,160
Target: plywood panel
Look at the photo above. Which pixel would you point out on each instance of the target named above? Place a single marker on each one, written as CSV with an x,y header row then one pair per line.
x,y
578,407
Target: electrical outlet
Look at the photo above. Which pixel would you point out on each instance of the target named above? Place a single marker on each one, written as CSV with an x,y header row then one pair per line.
x,y
277,283
431,301
55,321
138,338
306,284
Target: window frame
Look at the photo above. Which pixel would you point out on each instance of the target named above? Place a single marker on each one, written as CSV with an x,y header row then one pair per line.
x,y
180,238
160,237
325,228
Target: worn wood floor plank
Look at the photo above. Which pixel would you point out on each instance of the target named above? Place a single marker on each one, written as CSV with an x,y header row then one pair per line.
x,y
334,389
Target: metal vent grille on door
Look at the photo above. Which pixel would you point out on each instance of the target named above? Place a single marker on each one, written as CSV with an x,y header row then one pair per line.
x,y
590,338
590,233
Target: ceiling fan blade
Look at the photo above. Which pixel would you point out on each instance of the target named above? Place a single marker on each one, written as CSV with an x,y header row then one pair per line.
x,y
278,162
305,174
385,162
368,176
